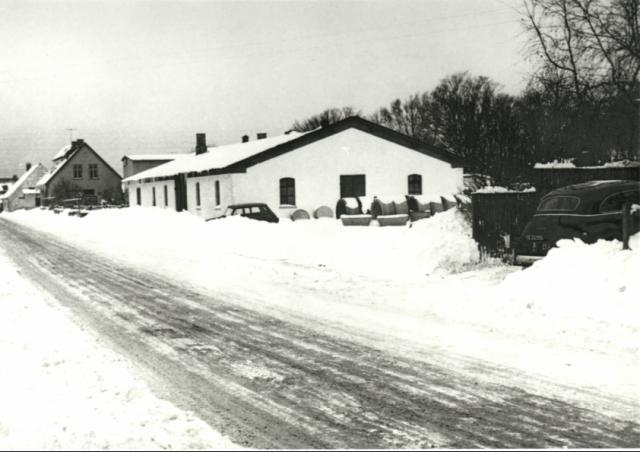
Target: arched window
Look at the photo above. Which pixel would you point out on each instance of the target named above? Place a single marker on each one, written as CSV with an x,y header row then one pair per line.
x,y
217,193
288,191
415,184
197,193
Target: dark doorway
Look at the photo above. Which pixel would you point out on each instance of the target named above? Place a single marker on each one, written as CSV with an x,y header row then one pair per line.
x,y
352,186
180,182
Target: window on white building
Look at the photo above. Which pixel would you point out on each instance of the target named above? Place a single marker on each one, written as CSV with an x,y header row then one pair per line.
x,y
352,186
415,184
287,191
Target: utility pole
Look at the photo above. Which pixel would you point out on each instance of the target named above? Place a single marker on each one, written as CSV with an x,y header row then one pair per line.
x,y
70,130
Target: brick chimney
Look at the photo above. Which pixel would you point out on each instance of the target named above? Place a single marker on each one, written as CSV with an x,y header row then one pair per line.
x,y
28,166
201,143
261,135
245,138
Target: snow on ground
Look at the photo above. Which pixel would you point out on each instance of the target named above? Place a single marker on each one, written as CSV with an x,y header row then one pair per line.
x,y
572,318
61,389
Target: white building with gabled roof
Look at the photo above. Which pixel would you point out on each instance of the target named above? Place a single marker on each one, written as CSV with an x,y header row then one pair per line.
x,y
136,163
353,157
23,194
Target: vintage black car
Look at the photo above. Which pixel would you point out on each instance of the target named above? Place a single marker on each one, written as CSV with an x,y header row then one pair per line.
x,y
254,210
589,211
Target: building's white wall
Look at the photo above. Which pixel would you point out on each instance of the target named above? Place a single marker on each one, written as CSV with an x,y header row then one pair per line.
x,y
317,167
146,192
207,208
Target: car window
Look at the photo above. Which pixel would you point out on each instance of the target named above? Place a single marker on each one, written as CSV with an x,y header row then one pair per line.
x,y
255,209
236,212
559,203
614,203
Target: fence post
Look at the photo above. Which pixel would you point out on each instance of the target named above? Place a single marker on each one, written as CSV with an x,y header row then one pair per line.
x,y
626,225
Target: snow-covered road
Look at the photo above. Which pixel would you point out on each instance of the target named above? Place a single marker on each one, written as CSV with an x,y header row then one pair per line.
x,y
265,382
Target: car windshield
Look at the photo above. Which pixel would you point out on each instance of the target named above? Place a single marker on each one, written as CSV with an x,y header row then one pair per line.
x,y
559,203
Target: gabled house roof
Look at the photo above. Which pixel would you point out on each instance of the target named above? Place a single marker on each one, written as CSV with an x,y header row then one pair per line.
x,y
62,152
238,157
18,184
65,155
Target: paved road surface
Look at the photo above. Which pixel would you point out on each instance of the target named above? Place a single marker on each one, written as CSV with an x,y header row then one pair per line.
x,y
266,383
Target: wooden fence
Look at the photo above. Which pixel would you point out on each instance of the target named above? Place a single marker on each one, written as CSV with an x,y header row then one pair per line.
x,y
499,218
547,179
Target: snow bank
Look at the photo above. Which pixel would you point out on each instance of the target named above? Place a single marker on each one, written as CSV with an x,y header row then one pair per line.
x,y
60,389
442,243
597,281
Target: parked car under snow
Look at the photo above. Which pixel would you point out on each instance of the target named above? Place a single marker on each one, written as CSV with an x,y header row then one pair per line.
x,y
255,211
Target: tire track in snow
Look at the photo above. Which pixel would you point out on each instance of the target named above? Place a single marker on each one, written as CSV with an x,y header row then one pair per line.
x,y
268,383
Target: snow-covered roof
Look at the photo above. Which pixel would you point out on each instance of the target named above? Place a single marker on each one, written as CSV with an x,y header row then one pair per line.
x,y
148,157
564,163
568,163
20,181
215,157
61,153
44,179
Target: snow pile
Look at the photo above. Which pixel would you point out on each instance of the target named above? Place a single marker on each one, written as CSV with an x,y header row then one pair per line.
x,y
61,389
442,243
455,249
592,291
585,277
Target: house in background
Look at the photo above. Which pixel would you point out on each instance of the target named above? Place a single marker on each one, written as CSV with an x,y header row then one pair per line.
x,y
136,163
23,194
6,182
79,171
353,157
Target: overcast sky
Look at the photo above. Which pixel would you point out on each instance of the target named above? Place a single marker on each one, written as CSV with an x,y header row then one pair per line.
x,y
144,77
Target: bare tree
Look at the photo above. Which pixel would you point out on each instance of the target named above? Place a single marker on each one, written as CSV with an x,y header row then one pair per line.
x,y
329,116
592,45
